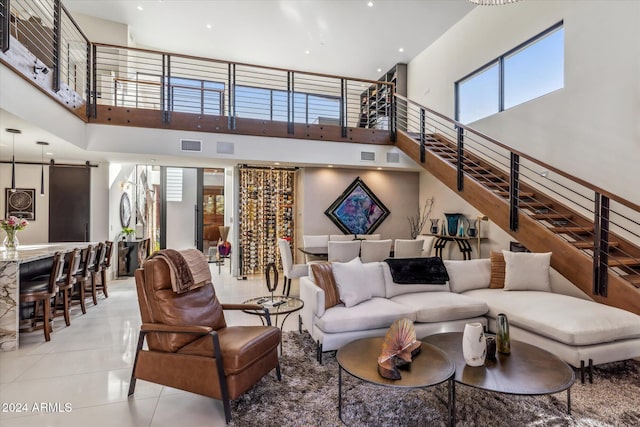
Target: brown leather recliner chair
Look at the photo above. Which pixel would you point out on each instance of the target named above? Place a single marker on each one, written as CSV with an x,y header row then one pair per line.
x,y
191,348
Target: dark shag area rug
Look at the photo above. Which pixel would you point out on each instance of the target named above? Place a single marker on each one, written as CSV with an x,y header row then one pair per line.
x,y
308,396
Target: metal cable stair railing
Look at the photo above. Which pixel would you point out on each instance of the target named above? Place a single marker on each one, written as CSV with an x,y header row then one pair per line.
x,y
594,234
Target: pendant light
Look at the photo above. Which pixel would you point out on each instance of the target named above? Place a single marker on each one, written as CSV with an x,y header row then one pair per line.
x,y
13,158
42,144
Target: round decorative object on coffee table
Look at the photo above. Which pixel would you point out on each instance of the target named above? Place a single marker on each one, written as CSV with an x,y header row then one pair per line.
x,y
429,368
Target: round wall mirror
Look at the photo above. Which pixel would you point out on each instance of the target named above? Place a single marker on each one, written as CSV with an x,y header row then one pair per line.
x,y
125,210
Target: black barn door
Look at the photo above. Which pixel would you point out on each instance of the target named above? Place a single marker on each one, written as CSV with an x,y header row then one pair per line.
x,y
69,203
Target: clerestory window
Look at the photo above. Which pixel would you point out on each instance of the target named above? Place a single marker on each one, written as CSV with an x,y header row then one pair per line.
x,y
532,69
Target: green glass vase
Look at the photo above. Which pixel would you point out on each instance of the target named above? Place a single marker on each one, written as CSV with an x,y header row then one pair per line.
x,y
503,343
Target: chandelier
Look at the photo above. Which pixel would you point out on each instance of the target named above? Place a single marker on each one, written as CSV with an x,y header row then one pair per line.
x,y
491,2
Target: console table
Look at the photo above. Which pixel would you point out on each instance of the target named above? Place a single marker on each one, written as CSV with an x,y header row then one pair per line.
x,y
464,244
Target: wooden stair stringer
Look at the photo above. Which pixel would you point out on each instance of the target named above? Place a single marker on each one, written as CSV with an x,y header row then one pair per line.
x,y
571,262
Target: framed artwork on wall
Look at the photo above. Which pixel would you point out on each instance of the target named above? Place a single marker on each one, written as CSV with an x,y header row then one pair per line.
x,y
20,203
357,210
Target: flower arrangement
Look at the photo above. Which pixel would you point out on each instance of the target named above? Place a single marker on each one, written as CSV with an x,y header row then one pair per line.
x,y
11,226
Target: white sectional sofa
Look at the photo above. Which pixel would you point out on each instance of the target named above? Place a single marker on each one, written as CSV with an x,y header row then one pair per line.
x,y
432,308
577,330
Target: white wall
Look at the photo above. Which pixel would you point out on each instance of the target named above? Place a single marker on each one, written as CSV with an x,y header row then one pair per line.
x,y
590,128
102,31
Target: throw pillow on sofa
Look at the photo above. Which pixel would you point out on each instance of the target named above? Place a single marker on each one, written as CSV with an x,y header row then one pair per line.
x,y
467,275
323,278
527,271
497,270
349,279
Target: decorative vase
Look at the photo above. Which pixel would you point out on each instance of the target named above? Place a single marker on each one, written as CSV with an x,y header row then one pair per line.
x,y
434,225
224,247
473,228
452,223
474,345
491,347
10,241
503,342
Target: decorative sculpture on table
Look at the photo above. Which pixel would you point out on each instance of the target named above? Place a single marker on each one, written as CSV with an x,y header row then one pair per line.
x,y
398,349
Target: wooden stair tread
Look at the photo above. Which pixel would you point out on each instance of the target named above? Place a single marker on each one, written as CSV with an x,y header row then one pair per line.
x,y
550,216
479,169
522,194
535,204
497,184
487,177
627,261
589,245
572,230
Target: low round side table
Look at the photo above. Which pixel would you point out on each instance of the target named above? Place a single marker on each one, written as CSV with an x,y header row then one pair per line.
x,y
277,306
429,368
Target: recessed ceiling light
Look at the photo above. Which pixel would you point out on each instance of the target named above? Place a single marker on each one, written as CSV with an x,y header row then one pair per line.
x,y
208,26
370,3
140,8
307,51
49,153
379,70
329,166
401,49
379,169
276,163
153,160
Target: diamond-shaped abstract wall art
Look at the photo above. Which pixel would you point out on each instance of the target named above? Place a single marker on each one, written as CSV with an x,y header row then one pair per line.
x,y
357,210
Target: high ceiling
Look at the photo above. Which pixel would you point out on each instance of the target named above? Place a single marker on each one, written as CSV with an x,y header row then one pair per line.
x,y
342,37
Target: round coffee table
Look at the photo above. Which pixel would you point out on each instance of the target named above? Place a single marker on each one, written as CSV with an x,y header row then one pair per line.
x,y
429,368
528,370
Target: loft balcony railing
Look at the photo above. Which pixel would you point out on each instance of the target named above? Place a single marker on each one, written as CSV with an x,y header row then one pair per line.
x,y
241,93
601,224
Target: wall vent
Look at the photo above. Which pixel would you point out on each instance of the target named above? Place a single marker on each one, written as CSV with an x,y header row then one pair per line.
x,y
368,156
190,145
225,147
393,157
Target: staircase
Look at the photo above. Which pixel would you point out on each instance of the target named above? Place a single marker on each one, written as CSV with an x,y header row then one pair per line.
x,y
591,245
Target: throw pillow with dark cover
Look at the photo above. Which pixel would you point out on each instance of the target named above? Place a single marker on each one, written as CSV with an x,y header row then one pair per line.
x,y
412,271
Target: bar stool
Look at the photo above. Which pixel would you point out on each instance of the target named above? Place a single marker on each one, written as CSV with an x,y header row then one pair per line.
x,y
83,277
65,285
41,290
101,252
104,267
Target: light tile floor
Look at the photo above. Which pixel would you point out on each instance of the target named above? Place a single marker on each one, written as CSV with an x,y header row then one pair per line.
x,y
82,375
